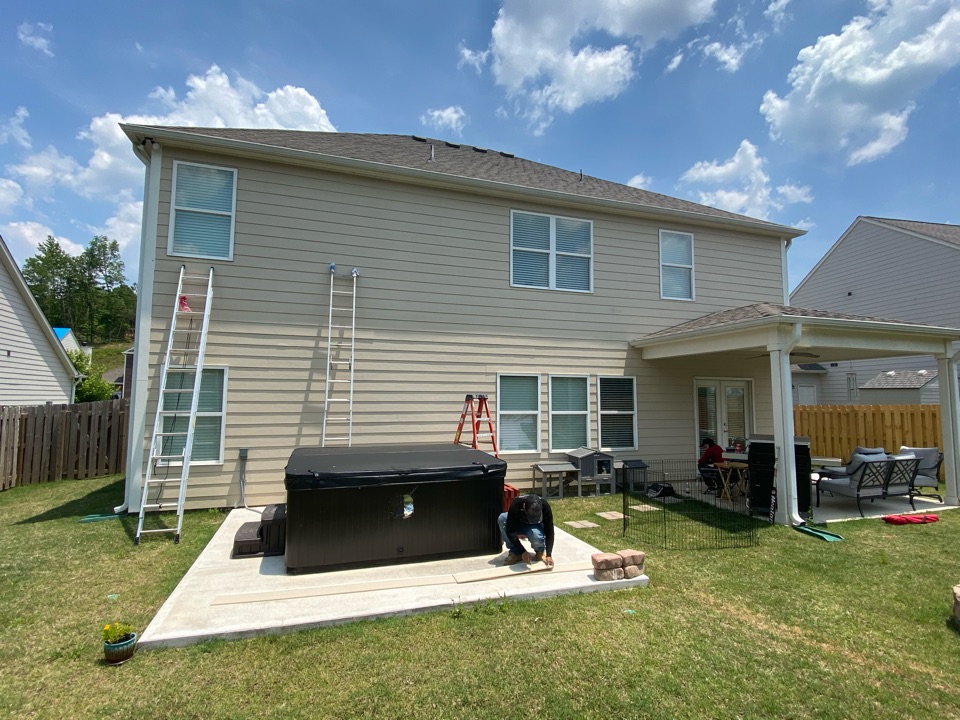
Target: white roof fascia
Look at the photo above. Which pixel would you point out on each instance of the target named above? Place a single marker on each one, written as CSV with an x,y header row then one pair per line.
x,y
381,170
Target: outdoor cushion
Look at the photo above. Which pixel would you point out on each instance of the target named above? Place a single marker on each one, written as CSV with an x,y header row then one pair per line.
x,y
857,459
869,451
929,457
846,485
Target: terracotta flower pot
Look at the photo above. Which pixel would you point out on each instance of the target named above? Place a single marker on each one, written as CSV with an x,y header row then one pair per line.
x,y
116,653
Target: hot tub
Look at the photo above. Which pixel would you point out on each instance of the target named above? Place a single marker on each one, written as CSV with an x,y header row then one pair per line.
x,y
379,504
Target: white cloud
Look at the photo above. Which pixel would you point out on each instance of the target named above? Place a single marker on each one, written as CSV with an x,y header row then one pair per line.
x,y
474,58
448,118
776,13
36,36
10,195
43,170
640,181
674,63
854,92
123,226
12,130
729,56
29,235
540,57
746,186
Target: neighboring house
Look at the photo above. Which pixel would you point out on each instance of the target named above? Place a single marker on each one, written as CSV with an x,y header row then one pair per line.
x,y
901,387
806,383
34,367
591,313
68,339
884,268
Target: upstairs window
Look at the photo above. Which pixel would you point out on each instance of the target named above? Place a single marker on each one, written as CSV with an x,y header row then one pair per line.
x,y
676,265
551,252
203,211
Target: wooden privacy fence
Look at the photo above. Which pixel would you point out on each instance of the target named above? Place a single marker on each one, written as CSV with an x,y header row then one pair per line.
x,y
44,443
835,430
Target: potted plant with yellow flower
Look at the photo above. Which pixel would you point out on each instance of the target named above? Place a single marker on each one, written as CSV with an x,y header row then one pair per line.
x,y
119,642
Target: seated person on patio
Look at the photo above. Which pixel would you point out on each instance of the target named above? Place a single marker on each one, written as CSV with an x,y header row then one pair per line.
x,y
711,455
531,516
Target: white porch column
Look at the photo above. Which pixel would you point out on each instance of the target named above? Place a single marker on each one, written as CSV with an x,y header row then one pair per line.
x,y
786,480
950,424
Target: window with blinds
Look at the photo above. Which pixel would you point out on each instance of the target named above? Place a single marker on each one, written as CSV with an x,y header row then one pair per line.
x,y
518,412
569,413
676,265
203,211
551,252
211,409
617,398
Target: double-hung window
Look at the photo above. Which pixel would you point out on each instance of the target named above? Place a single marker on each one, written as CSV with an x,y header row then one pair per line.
x,y
518,412
211,411
203,211
569,413
551,252
676,265
617,398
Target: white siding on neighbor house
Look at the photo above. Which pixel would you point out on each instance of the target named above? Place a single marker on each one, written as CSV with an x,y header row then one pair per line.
x,y
31,373
436,316
884,272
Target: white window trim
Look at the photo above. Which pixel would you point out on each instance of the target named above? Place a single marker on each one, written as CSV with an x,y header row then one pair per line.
x,y
690,267
552,263
585,413
601,413
501,413
223,422
174,208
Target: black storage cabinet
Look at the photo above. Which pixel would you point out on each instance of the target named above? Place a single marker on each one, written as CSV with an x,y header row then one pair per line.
x,y
351,506
761,458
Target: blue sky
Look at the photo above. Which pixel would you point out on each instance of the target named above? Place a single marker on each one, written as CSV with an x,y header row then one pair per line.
x,y
801,112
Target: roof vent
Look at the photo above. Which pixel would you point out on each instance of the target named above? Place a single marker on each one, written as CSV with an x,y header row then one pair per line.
x,y
418,138
891,373
506,154
450,144
479,150
921,372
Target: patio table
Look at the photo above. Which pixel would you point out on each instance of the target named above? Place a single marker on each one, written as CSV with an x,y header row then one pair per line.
x,y
727,471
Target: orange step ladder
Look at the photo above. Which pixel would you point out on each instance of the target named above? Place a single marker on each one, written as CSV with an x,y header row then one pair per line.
x,y
476,406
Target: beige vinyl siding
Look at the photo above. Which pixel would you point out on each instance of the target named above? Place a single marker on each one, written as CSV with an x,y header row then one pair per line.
x,y
436,316
31,373
881,271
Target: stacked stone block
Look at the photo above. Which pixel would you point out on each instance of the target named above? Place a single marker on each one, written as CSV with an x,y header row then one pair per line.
x,y
624,564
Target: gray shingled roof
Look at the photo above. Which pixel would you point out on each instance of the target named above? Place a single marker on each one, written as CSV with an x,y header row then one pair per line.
x,y
757,311
900,379
937,231
455,159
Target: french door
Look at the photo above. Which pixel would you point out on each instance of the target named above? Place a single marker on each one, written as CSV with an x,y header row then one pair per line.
x,y
723,411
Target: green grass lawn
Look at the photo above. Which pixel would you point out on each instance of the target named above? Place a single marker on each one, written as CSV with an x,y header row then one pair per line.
x,y
794,628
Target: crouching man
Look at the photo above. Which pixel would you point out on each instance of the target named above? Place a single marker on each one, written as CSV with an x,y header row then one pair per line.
x,y
531,516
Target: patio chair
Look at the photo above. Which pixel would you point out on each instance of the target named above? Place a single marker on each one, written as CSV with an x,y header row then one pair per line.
x,y
862,478
901,478
928,473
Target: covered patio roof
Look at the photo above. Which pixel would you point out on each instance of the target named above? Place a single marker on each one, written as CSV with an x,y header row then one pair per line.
x,y
791,335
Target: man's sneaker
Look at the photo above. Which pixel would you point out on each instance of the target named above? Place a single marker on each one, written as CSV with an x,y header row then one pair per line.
x,y
511,559
539,556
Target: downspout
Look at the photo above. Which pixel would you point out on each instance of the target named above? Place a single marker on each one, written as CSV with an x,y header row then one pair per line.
x,y
784,272
783,429
950,420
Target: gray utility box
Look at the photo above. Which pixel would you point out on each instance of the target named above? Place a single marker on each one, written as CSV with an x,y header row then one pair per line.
x,y
594,466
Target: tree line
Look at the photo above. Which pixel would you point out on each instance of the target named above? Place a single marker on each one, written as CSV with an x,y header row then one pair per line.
x,y
86,293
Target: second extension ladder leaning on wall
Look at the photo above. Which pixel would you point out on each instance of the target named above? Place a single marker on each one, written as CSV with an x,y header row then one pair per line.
x,y
338,382
171,444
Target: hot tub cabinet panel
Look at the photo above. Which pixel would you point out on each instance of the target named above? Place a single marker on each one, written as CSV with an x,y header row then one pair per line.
x,y
352,506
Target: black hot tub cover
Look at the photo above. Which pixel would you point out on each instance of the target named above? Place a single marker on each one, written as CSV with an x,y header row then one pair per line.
x,y
312,468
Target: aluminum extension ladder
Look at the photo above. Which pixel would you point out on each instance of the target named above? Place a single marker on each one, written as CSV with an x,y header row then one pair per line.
x,y
338,381
181,374
479,410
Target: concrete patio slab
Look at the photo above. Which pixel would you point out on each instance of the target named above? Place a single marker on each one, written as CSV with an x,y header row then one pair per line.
x,y
225,597
834,508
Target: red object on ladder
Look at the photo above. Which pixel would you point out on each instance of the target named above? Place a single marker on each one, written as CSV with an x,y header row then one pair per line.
x,y
479,411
